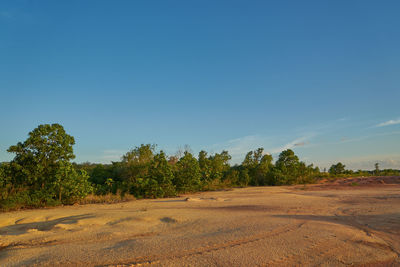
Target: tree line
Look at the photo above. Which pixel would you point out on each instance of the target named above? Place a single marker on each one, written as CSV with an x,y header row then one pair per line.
x,y
41,173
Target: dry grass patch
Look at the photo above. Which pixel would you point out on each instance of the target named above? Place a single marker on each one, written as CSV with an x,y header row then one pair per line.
x,y
106,199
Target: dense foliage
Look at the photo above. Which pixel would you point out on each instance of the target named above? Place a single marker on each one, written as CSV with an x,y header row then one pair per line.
x,y
41,173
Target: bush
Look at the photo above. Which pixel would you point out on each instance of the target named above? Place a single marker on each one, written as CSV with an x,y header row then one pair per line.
x,y
28,199
69,185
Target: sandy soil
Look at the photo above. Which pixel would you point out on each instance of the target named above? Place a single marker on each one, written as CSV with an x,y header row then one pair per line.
x,y
321,225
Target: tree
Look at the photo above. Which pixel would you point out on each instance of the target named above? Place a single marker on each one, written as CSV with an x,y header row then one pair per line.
x,y
377,171
161,172
6,185
306,174
259,166
219,165
287,168
205,167
231,177
37,159
140,154
69,184
263,170
187,176
244,177
41,172
336,169
253,158
100,174
136,163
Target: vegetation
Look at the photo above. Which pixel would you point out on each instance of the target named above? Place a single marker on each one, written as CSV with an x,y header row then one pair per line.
x,y
41,173
336,169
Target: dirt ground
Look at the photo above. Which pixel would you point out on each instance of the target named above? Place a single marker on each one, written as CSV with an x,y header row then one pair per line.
x,y
349,222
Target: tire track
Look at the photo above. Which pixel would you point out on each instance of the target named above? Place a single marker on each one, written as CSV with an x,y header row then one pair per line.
x,y
384,236
153,259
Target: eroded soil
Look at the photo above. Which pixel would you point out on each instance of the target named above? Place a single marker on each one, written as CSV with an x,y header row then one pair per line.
x,y
349,222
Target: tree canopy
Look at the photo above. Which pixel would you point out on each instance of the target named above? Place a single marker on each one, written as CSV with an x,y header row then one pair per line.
x,y
338,168
41,172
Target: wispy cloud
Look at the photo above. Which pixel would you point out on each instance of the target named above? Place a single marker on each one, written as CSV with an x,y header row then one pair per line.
x,y
300,138
111,155
366,162
343,119
327,126
298,142
388,123
360,138
238,147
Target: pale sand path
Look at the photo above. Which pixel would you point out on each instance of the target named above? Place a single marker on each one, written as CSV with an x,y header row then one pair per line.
x,y
263,226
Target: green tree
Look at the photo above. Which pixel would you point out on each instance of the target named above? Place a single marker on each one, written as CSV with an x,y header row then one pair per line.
x,y
187,176
377,171
6,185
263,170
259,166
205,167
336,169
41,172
69,185
161,173
219,164
253,158
306,174
100,174
135,165
286,168
231,178
140,154
250,163
37,159
244,178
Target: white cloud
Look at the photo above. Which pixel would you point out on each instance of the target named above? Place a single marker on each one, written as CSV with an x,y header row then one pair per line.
x,y
298,142
238,147
388,123
275,144
111,155
366,162
360,138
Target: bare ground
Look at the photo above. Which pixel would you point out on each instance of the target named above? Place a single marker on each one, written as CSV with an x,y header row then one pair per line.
x,y
349,222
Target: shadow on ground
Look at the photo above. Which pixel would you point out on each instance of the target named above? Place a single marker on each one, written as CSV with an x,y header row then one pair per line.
x,y
19,229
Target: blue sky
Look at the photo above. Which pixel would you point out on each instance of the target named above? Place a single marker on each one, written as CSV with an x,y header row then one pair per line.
x,y
319,77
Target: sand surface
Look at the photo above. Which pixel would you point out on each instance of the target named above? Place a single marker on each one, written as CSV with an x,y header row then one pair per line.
x,y
336,224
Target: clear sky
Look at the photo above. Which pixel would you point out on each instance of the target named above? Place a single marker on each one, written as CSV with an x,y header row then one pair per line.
x,y
320,77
